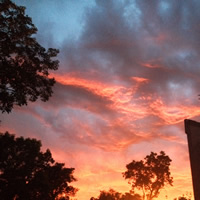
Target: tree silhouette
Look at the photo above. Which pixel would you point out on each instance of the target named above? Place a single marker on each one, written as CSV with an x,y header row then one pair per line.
x,y
130,196
110,195
113,195
187,196
182,198
28,173
149,175
24,63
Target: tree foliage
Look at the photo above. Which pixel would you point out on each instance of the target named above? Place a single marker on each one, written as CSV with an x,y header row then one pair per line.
x,y
130,196
187,196
149,175
28,173
183,198
110,195
113,195
24,63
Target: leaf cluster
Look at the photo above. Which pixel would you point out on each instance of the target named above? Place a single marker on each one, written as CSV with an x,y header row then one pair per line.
x,y
149,175
28,173
113,195
24,63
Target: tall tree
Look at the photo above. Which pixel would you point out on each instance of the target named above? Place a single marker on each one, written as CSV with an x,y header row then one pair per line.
x,y
28,173
24,63
149,175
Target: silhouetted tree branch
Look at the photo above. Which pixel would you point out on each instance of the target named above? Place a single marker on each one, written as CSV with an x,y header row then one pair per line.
x,y
149,175
24,63
28,173
113,195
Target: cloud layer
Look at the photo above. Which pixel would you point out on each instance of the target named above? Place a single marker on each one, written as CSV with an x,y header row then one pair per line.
x,y
128,77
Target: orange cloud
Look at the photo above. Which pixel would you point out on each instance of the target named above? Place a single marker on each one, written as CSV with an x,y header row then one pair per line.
x,y
98,144
140,79
152,64
126,82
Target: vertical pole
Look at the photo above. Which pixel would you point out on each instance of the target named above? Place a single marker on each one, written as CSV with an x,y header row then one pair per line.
x,y
192,129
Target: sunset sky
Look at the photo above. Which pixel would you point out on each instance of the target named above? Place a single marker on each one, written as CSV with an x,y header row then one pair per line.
x,y
129,75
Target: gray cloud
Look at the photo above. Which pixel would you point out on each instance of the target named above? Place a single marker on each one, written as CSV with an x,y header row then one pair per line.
x,y
128,77
120,40
161,35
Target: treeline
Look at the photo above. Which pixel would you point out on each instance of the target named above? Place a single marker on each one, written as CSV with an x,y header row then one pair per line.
x,y
28,173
